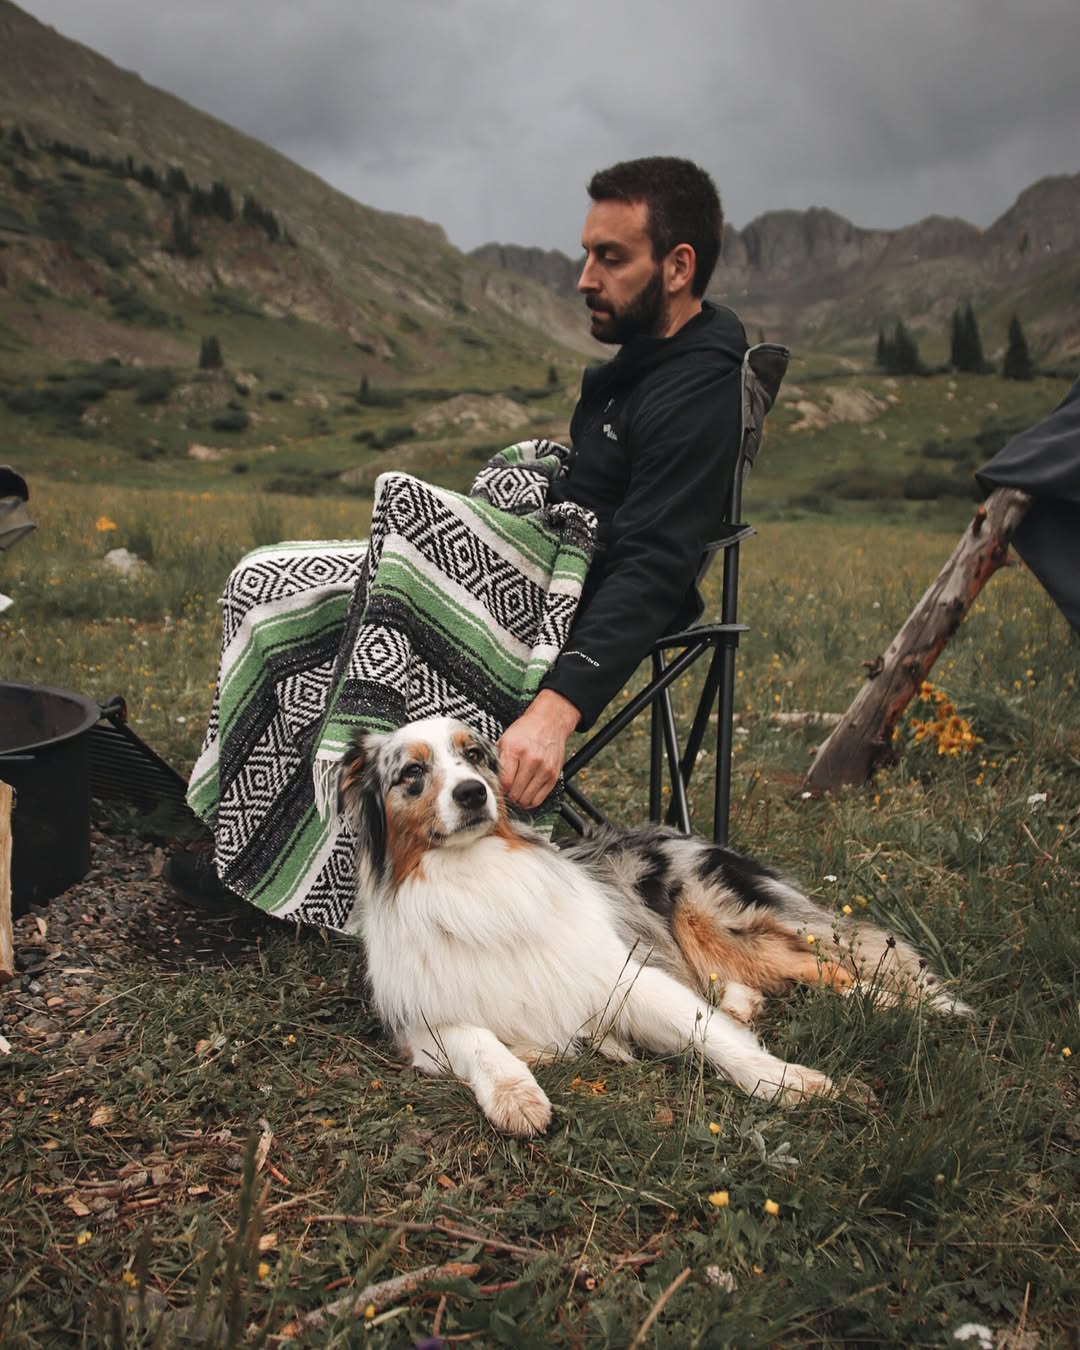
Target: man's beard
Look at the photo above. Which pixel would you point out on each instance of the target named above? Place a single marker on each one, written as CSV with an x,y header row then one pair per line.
x,y
645,316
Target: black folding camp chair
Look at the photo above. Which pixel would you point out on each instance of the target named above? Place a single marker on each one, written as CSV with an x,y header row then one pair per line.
x,y
675,653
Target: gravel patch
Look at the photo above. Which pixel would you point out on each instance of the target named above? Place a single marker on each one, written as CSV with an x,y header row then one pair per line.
x,y
79,950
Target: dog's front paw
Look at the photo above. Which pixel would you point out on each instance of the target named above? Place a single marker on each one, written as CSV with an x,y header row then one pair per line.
x,y
518,1107
797,1085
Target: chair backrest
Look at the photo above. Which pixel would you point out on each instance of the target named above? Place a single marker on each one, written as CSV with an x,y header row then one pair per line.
x,y
763,370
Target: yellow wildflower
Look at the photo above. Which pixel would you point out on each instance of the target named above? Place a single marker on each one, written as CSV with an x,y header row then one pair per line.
x,y
720,1199
771,1207
103,524
369,1311
713,1127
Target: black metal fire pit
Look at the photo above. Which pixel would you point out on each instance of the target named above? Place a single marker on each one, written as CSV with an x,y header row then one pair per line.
x,y
44,755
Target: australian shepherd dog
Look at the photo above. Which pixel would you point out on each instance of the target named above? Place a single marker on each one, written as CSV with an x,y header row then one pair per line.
x,y
489,949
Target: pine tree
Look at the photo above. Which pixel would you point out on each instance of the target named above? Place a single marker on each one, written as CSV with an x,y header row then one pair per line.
x,y
957,349
1017,364
881,356
183,239
210,356
965,344
221,202
973,348
902,355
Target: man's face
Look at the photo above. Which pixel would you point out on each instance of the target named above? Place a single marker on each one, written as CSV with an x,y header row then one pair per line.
x,y
622,284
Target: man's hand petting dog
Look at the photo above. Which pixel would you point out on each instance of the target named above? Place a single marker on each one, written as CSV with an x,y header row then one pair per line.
x,y
532,749
489,950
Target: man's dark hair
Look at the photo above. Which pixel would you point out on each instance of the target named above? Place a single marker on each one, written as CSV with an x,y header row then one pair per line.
x,y
683,206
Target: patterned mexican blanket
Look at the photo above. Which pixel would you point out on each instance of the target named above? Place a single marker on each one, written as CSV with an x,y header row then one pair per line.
x,y
456,605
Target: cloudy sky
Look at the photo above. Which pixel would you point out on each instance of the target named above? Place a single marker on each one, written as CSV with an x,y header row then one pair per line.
x,y
489,116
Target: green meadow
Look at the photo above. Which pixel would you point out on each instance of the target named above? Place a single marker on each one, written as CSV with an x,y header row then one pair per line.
x,y
662,1209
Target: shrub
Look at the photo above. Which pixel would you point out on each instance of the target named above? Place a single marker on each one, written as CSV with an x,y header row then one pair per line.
x,y
127,304
862,485
232,419
154,386
923,486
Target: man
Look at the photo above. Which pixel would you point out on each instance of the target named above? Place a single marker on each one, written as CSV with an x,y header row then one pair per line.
x,y
655,437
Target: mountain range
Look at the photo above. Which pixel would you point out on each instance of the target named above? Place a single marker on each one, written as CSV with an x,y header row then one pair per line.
x,y
814,277
112,241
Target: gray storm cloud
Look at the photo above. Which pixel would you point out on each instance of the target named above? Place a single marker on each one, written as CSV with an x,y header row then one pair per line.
x,y
488,116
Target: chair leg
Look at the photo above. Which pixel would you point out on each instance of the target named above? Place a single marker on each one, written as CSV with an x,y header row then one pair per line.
x,y
725,736
580,800
700,725
680,807
656,748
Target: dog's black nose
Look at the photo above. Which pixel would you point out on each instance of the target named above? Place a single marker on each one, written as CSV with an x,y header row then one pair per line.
x,y
471,794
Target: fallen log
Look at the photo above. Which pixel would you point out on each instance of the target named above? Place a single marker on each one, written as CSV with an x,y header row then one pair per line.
x,y
862,740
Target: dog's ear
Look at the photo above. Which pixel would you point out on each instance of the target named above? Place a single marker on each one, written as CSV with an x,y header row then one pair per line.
x,y
351,772
360,798
491,752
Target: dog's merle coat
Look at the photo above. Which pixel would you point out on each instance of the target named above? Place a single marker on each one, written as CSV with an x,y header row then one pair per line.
x,y
489,949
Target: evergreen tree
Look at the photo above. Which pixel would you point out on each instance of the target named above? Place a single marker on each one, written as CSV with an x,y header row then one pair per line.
x,y
1017,364
902,353
176,180
210,357
881,356
977,363
183,240
221,202
957,351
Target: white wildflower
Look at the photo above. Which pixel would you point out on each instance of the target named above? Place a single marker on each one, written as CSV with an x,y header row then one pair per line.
x,y
975,1331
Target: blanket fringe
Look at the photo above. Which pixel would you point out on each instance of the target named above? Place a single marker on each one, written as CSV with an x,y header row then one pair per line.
x,y
326,774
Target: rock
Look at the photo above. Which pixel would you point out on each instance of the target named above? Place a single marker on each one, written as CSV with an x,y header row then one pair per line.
x,y
472,413
125,562
207,453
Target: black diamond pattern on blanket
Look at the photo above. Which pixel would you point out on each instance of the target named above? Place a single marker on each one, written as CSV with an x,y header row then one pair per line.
x,y
383,656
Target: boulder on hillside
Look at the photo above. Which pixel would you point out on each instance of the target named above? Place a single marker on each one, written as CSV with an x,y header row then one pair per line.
x,y
466,414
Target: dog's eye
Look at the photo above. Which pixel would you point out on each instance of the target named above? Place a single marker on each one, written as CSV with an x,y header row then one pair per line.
x,y
474,755
411,773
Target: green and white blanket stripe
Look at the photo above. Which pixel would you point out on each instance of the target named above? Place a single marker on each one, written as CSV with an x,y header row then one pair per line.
x,y
456,605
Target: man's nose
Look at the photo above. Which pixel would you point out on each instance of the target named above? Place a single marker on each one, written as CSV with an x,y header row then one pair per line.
x,y
587,280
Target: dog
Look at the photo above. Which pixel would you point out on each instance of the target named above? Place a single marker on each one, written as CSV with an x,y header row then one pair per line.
x,y
489,949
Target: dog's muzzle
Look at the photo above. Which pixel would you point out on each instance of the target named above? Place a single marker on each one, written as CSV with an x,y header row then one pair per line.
x,y
471,796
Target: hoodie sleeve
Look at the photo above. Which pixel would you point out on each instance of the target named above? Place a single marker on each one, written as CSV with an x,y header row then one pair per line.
x,y
683,443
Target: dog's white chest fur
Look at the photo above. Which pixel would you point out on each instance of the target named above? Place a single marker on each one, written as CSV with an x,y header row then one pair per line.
x,y
496,935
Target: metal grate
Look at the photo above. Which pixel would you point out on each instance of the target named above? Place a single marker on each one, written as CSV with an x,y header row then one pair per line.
x,y
124,768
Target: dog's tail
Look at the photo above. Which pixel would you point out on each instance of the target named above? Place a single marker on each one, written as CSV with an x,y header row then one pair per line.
x,y
741,922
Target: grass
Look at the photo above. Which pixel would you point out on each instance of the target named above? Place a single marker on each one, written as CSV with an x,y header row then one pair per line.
x,y
241,1151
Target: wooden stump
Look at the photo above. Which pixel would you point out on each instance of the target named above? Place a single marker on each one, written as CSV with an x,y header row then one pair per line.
x,y
862,739
7,937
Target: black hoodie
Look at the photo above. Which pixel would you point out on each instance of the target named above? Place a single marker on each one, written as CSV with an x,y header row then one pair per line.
x,y
655,437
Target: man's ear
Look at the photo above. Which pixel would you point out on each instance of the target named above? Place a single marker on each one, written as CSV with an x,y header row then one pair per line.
x,y
679,268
